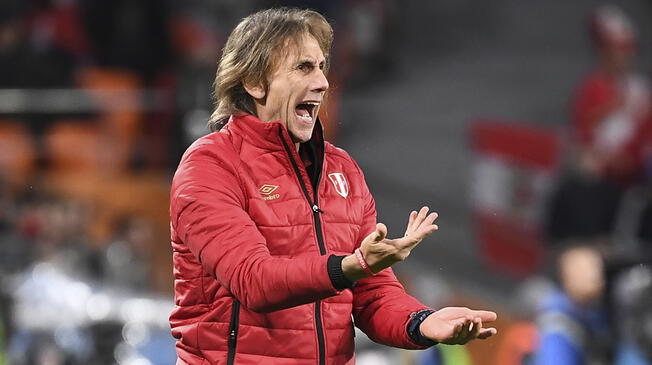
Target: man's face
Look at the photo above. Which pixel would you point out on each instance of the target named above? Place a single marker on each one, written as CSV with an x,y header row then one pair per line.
x,y
582,274
296,89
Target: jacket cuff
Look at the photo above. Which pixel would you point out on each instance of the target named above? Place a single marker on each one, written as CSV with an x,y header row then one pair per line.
x,y
334,266
413,330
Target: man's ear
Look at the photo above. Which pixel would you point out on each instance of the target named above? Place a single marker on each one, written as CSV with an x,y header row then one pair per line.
x,y
256,91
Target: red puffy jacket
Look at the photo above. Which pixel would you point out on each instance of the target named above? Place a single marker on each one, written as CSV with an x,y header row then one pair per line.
x,y
250,245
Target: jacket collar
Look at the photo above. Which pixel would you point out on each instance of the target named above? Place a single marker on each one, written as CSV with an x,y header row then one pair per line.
x,y
271,135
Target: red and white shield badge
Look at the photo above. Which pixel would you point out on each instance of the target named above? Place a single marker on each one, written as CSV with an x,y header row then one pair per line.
x,y
341,185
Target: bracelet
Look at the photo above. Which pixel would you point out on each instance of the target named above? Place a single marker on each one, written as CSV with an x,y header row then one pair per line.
x,y
363,263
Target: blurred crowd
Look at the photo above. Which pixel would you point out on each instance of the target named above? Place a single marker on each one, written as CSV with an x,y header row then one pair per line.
x,y
98,99
598,306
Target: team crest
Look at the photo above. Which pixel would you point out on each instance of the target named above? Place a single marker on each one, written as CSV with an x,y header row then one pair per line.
x,y
341,185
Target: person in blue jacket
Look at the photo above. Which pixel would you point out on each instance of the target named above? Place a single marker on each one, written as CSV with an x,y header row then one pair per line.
x,y
573,327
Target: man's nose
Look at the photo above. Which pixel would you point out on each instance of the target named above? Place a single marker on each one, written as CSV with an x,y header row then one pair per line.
x,y
319,82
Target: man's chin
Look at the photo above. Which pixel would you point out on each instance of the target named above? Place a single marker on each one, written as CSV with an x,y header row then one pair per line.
x,y
300,138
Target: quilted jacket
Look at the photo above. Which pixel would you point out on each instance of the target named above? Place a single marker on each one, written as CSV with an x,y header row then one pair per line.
x,y
251,238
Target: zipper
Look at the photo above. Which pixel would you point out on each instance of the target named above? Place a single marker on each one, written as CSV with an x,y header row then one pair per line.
x,y
320,333
233,331
314,205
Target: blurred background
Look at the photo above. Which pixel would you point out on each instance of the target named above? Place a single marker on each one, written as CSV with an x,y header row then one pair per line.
x,y
526,124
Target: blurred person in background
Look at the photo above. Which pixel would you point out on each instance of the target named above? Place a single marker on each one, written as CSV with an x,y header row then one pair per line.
x,y
60,237
573,328
644,228
610,113
612,104
633,297
27,42
31,35
611,138
15,248
521,338
124,260
263,274
197,41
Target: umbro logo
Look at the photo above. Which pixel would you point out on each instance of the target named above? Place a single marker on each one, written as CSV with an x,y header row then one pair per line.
x,y
267,191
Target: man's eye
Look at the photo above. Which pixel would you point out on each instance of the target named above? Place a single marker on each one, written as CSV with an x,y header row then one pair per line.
x,y
304,67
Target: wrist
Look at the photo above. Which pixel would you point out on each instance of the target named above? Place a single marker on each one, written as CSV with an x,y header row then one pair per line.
x,y
352,269
336,274
414,328
363,263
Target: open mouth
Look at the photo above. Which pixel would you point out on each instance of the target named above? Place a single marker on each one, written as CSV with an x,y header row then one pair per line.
x,y
306,110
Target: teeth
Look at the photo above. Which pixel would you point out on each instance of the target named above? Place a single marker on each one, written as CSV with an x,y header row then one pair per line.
x,y
305,119
311,111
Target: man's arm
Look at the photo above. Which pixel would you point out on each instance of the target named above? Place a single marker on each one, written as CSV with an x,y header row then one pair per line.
x,y
382,308
207,214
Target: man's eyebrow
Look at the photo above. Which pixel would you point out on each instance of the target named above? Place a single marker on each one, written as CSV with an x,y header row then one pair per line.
x,y
310,61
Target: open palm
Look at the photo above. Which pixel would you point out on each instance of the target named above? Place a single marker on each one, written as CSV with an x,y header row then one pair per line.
x,y
457,325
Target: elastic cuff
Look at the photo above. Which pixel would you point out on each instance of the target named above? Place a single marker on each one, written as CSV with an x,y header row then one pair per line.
x,y
413,328
334,266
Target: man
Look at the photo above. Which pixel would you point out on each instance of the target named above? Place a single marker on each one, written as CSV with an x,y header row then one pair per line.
x,y
612,103
266,215
572,324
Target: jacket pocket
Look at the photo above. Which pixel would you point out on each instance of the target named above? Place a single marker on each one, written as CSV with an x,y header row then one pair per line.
x,y
233,332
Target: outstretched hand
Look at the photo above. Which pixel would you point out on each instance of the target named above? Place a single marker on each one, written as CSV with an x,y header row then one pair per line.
x,y
381,252
457,325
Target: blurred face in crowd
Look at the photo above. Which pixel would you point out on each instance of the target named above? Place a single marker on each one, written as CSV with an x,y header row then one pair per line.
x,y
618,58
581,274
296,89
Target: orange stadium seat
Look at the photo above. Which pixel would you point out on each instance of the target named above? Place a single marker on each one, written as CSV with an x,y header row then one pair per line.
x,y
121,113
77,147
17,152
519,342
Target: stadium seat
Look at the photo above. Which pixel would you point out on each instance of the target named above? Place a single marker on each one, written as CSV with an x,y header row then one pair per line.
x,y
82,147
17,152
519,342
116,93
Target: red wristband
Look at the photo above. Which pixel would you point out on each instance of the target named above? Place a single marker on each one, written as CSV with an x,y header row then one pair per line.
x,y
363,263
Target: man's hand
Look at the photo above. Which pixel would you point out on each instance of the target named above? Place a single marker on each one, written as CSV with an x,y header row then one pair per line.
x,y
457,325
381,252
